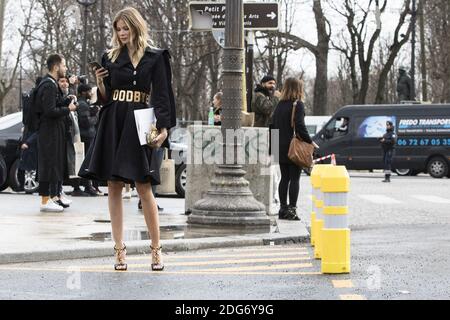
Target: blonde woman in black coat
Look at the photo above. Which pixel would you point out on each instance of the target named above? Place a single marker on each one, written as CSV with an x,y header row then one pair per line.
x,y
133,76
293,92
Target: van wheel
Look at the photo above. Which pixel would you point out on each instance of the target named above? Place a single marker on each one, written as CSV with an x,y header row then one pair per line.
x,y
403,172
16,177
3,174
438,167
180,180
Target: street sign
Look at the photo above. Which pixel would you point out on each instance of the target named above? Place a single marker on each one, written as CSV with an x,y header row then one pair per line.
x,y
257,15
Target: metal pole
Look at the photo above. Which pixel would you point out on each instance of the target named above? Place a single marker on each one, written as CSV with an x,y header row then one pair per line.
x,y
413,50
250,44
423,53
230,202
84,63
20,87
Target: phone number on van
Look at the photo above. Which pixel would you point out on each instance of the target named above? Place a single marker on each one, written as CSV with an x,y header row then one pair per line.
x,y
423,142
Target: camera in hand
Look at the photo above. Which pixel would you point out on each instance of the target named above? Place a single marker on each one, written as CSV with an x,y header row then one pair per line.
x,y
80,79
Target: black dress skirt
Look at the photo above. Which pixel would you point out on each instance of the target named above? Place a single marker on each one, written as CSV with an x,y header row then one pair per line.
x,y
116,154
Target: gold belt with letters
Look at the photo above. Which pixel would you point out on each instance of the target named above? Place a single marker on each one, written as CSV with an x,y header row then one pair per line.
x,y
131,96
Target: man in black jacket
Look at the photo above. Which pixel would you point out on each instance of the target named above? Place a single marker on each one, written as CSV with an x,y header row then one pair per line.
x,y
52,110
388,143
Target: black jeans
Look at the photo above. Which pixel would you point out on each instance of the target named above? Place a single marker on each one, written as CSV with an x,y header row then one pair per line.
x,y
387,159
290,182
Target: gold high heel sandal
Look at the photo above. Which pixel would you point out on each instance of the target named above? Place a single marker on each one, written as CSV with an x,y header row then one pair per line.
x,y
120,255
157,264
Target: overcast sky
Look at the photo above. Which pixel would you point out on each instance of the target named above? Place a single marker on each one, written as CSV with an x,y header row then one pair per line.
x,y
304,27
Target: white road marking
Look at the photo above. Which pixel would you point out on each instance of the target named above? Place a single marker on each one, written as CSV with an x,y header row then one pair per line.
x,y
379,199
432,199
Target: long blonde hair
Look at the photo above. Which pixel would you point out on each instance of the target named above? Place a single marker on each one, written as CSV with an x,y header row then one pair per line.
x,y
138,32
293,89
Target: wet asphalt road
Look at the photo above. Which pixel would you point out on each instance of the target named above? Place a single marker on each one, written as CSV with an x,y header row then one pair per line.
x,y
400,250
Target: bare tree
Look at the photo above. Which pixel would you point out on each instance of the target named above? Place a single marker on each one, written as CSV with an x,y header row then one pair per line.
x,y
320,52
7,84
399,40
437,25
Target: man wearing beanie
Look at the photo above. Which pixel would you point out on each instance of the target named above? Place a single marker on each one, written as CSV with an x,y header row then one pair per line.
x,y
265,100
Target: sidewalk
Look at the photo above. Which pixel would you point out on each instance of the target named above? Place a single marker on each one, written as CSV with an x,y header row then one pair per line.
x,y
83,230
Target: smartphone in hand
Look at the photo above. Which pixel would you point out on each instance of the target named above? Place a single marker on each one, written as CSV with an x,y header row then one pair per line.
x,y
94,65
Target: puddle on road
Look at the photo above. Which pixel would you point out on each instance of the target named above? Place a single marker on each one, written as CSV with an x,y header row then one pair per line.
x,y
177,232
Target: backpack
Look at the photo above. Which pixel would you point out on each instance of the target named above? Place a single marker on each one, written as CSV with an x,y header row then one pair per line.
x,y
29,112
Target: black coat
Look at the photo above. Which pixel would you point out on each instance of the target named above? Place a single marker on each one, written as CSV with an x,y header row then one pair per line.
x,y
390,139
87,119
52,110
281,120
115,153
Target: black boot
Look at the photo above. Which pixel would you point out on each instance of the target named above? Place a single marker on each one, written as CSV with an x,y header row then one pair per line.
x,y
293,213
283,213
387,178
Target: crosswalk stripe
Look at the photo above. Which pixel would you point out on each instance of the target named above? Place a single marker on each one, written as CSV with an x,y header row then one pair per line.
x,y
177,257
263,249
260,268
241,273
431,198
339,284
210,262
379,199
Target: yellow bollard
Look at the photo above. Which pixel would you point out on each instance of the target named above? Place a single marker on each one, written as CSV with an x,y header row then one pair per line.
x,y
317,205
335,186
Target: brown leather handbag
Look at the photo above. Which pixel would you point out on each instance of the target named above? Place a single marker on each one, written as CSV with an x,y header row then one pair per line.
x,y
300,152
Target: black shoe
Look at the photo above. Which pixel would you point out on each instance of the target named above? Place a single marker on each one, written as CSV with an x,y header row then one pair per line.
x,y
387,178
99,192
283,213
91,192
140,207
292,215
60,203
79,193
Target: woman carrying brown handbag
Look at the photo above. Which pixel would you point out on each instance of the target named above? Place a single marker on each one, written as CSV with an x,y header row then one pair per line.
x,y
292,93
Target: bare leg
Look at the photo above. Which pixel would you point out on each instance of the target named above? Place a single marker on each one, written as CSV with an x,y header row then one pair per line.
x,y
150,210
116,211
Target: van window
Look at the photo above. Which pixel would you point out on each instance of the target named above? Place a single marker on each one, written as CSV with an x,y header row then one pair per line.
x,y
337,128
311,129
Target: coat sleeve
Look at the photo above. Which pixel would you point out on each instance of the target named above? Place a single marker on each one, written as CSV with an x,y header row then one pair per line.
x,y
49,103
300,126
160,95
107,82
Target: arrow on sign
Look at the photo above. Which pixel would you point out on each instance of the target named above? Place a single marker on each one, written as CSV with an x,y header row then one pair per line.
x,y
273,15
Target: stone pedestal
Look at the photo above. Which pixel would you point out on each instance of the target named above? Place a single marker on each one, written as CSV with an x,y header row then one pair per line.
x,y
201,170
